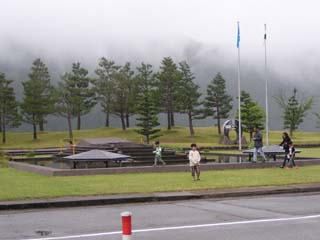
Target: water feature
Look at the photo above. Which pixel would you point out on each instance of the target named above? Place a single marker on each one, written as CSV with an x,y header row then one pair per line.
x,y
56,163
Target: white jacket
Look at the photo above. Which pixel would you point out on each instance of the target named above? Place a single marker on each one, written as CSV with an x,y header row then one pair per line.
x,y
194,157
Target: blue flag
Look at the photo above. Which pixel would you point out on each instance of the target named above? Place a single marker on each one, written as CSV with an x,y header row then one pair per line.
x,y
238,36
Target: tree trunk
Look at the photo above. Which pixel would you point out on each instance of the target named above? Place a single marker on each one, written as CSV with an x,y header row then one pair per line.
x,y
172,118
3,128
70,128
190,124
41,125
122,117
169,119
291,132
107,120
218,121
127,120
251,133
34,127
0,123
79,122
148,138
34,131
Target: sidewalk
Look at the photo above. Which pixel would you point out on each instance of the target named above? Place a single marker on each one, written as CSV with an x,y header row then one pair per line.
x,y
156,197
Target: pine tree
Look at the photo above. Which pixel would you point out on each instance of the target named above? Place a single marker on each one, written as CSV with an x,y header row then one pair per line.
x,y
217,102
132,92
252,115
37,101
147,109
121,94
294,110
81,94
188,97
8,106
65,106
168,83
103,84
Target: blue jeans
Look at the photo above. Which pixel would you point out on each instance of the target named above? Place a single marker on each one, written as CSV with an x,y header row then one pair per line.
x,y
255,154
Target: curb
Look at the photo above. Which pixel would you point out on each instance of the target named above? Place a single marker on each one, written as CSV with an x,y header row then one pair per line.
x,y
155,197
47,171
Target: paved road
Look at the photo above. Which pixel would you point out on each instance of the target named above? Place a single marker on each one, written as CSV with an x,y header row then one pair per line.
x,y
293,217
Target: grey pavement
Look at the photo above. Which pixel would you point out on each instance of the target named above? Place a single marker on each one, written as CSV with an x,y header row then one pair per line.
x,y
278,210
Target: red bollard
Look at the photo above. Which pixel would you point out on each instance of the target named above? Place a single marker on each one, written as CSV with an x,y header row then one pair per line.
x,y
126,226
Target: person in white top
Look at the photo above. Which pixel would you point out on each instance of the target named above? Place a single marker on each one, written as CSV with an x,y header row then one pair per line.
x,y
194,159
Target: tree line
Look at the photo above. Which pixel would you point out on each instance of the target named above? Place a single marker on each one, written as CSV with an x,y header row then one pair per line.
x,y
124,91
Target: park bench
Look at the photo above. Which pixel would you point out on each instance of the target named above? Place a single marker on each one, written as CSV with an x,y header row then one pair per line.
x,y
270,151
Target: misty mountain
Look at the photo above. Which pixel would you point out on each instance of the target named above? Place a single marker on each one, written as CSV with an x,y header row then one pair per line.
x,y
205,62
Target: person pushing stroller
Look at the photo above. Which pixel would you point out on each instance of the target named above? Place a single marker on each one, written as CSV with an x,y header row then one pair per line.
x,y
289,150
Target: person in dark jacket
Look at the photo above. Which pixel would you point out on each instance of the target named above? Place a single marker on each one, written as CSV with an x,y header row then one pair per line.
x,y
286,142
258,144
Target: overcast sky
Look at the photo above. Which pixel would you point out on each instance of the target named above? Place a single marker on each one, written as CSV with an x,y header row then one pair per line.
x,y
150,29
201,31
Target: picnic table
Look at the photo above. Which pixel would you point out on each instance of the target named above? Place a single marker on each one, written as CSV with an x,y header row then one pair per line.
x,y
96,156
272,150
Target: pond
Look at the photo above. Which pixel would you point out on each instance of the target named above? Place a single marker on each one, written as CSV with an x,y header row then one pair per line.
x,y
212,158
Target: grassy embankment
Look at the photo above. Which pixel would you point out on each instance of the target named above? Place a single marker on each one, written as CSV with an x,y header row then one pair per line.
x,y
177,138
23,185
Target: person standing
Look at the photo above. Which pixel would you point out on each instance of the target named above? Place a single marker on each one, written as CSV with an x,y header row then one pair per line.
x,y
194,159
158,154
258,144
286,142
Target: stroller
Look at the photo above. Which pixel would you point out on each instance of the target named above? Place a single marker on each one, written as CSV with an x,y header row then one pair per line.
x,y
291,157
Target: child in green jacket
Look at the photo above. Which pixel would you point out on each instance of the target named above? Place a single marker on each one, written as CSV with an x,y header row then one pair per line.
x,y
158,154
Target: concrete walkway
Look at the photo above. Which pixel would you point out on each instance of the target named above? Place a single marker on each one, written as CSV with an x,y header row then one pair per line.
x,y
156,197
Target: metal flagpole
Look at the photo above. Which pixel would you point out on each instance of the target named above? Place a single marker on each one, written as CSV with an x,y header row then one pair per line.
x,y
266,79
239,88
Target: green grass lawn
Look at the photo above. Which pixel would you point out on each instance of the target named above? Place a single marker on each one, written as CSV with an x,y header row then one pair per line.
x,y
177,137
309,152
23,185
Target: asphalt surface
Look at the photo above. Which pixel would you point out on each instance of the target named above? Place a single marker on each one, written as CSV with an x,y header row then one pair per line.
x,y
293,217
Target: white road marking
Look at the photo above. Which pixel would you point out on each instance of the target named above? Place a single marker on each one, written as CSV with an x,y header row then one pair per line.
x,y
182,227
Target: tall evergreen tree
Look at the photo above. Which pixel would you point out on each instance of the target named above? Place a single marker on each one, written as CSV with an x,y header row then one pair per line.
x,y
132,91
252,115
188,97
103,84
217,102
294,110
121,92
82,95
8,106
65,105
37,100
168,83
147,109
